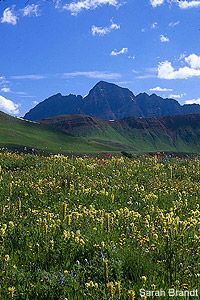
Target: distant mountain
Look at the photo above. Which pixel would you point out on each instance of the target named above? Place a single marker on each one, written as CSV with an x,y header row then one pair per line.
x,y
110,102
180,133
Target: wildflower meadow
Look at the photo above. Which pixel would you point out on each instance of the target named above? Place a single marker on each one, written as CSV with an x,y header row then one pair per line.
x,y
98,228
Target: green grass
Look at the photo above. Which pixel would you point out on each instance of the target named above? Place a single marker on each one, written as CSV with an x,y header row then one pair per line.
x,y
103,137
168,136
16,133
88,228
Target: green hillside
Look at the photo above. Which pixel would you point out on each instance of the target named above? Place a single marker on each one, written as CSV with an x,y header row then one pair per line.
x,y
179,133
86,134
16,133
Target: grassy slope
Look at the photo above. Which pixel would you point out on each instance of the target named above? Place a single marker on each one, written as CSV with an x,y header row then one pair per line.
x,y
105,133
126,137
101,132
19,133
104,136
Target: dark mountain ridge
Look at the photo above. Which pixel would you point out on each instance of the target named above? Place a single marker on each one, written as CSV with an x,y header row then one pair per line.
x,y
110,102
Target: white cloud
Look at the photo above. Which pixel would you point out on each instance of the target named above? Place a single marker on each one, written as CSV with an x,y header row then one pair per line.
x,y
164,39
104,30
148,73
193,60
31,10
166,71
193,101
5,90
4,83
177,96
145,76
115,52
188,4
20,93
26,96
131,57
35,102
173,24
8,106
9,16
154,25
182,56
57,3
159,89
33,77
76,7
152,70
155,3
135,71
94,74
183,4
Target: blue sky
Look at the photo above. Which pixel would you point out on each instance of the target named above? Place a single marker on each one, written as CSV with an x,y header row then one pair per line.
x,y
67,46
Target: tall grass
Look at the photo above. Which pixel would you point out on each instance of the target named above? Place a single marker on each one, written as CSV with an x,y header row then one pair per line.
x,y
87,228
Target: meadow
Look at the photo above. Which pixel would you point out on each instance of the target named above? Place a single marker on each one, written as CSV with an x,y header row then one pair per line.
x,y
98,228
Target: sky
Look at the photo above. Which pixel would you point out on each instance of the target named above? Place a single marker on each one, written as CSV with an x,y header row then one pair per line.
x,y
67,46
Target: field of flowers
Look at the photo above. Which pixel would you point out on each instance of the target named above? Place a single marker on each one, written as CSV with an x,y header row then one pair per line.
x,y
90,228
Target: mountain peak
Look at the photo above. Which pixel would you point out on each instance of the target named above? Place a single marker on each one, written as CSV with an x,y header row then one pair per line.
x,y
105,84
102,82
109,101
